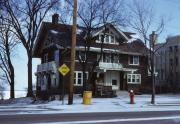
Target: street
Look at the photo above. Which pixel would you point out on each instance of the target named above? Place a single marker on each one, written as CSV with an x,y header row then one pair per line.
x,y
154,117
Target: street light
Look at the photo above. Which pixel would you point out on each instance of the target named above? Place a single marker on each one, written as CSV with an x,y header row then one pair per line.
x,y
153,39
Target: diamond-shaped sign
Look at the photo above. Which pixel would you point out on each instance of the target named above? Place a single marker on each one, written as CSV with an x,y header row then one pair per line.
x,y
63,69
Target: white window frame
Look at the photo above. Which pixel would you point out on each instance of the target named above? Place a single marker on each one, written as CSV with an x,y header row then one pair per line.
x,y
131,78
76,78
109,41
133,60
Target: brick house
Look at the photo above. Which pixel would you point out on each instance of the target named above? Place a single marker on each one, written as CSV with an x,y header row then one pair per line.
x,y
123,64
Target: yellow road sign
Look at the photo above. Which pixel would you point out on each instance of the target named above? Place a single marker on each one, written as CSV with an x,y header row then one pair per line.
x,y
63,69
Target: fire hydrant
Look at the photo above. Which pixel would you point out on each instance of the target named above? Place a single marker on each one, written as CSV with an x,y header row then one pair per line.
x,y
131,95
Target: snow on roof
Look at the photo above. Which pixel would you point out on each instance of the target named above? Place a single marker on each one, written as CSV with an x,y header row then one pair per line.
x,y
54,31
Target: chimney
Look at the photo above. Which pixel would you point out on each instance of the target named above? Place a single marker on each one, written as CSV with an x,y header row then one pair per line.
x,y
55,18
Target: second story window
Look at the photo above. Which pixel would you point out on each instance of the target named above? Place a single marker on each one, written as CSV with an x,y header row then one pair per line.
x,y
171,62
176,48
177,61
170,49
108,58
134,60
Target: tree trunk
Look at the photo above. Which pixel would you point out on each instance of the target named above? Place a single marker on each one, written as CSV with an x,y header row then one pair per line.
x,y
30,92
12,94
84,80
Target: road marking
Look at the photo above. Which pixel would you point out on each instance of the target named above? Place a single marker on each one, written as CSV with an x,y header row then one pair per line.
x,y
117,120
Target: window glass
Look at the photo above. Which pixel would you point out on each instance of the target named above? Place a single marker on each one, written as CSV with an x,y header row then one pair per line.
x,y
137,78
131,59
112,39
79,78
116,59
108,58
114,82
136,60
107,38
129,78
133,78
170,49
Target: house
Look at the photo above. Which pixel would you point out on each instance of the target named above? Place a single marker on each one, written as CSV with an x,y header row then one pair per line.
x,y
123,65
167,65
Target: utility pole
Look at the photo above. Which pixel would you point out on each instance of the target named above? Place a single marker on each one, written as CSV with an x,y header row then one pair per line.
x,y
153,38
73,54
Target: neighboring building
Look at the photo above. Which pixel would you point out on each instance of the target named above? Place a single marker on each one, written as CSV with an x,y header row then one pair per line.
x,y
123,65
167,65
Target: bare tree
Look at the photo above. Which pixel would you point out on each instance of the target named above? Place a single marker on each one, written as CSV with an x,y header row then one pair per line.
x,y
7,44
2,88
142,20
93,14
26,17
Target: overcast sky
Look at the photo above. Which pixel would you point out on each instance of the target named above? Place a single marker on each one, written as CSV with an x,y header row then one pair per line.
x,y
168,8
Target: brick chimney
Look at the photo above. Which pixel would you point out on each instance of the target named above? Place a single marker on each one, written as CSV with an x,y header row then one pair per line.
x,y
55,18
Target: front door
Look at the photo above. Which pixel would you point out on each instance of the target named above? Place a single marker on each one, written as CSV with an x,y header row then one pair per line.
x,y
112,79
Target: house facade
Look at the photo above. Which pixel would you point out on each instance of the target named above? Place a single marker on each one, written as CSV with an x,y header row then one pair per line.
x,y
167,65
122,65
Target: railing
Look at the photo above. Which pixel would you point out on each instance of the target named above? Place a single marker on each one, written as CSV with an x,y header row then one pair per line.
x,y
47,67
110,66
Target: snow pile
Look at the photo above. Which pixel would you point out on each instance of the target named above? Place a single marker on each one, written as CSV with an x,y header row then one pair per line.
x,y
18,101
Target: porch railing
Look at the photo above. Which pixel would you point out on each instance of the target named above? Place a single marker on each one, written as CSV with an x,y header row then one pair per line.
x,y
47,67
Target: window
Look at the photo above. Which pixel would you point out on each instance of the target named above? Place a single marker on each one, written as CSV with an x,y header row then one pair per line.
x,y
134,60
78,77
177,61
134,78
171,62
82,55
108,58
170,49
112,39
114,82
108,38
116,59
176,48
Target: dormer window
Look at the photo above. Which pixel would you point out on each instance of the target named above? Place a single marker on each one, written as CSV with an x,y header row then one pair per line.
x,y
112,39
108,39
134,60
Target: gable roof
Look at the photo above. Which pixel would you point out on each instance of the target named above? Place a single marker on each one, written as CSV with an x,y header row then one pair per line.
x,y
61,36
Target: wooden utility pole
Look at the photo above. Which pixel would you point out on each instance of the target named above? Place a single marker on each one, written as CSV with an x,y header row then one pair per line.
x,y
73,54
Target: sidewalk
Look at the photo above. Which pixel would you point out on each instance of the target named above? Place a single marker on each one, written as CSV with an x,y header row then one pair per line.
x,y
118,104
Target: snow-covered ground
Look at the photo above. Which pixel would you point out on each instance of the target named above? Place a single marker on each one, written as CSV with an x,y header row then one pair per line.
x,y
117,104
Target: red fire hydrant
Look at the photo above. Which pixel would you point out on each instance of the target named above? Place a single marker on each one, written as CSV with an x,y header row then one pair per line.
x,y
131,95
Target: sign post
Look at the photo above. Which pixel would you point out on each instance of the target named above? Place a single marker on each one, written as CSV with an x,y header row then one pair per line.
x,y
63,69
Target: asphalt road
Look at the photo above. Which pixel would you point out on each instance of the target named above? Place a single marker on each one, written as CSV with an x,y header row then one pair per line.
x,y
166,117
